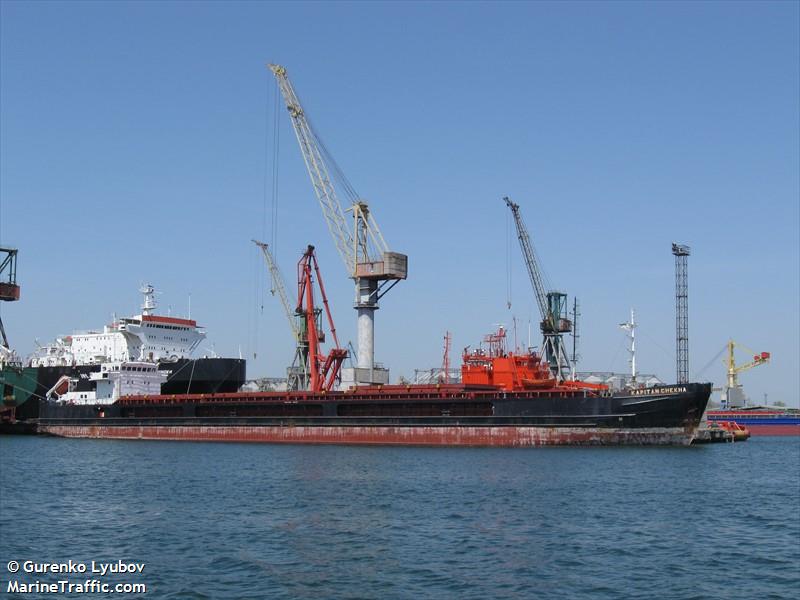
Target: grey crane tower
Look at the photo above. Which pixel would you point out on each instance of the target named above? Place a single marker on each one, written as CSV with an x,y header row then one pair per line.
x,y
681,253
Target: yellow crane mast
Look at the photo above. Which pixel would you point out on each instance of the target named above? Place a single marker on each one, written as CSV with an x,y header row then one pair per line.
x,y
734,396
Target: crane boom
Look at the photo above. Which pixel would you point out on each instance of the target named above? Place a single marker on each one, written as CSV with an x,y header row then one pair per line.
x,y
530,258
278,286
734,369
318,171
552,304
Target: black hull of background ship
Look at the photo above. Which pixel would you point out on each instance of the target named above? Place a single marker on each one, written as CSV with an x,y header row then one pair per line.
x,y
24,387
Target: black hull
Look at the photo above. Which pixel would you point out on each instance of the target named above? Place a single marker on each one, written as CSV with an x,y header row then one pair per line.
x,y
671,414
204,376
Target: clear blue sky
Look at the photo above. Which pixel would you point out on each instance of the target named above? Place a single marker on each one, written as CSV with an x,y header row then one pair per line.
x,y
133,149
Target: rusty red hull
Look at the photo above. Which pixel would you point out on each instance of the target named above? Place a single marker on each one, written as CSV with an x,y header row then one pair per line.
x,y
506,436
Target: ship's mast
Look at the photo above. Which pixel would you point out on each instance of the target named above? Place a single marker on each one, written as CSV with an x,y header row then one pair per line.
x,y
446,357
149,304
630,327
575,335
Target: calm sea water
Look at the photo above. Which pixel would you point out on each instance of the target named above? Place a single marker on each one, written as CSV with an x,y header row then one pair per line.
x,y
263,521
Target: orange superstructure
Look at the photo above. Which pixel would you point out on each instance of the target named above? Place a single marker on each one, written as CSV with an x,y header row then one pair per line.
x,y
511,371
506,370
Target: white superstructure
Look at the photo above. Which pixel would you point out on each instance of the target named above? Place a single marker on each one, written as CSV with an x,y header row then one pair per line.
x,y
112,381
144,337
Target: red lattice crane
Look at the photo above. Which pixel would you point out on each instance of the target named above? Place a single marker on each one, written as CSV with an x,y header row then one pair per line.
x,y
324,369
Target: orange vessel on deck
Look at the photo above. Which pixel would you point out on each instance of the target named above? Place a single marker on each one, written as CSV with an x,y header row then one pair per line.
x,y
510,371
505,370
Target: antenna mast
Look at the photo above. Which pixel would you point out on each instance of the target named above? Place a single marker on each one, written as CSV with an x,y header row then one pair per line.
x,y
446,358
630,327
575,335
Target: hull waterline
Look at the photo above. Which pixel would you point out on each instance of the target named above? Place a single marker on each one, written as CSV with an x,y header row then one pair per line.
x,y
396,415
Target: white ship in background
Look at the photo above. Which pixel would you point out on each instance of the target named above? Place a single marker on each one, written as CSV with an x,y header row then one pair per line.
x,y
75,364
144,337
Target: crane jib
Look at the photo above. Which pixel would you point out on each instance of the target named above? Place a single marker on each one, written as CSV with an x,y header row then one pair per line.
x,y
362,247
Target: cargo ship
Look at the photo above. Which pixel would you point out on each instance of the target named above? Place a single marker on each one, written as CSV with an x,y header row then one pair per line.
x,y
761,421
504,399
165,341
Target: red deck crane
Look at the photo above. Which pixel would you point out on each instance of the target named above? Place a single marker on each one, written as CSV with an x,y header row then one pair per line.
x,y
324,368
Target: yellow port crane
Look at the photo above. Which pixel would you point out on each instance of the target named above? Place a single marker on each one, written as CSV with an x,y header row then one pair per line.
x,y
734,395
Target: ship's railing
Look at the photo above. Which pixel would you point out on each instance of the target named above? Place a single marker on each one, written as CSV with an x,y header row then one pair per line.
x,y
619,381
436,375
443,392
